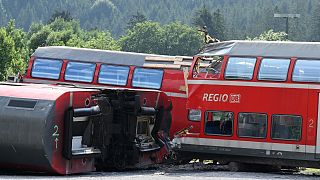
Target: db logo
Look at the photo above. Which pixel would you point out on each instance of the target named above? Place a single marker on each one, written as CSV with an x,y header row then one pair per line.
x,y
235,98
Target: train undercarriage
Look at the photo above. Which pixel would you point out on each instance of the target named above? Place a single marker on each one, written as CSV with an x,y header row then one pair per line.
x,y
126,134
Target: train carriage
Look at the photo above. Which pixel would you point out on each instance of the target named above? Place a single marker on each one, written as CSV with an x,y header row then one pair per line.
x,y
81,109
124,70
258,103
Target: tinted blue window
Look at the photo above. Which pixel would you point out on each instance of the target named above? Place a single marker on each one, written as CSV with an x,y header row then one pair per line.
x,y
82,72
274,69
240,68
147,78
115,75
306,71
45,68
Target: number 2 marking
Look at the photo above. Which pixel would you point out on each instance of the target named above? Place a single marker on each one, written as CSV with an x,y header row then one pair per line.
x,y
311,122
56,134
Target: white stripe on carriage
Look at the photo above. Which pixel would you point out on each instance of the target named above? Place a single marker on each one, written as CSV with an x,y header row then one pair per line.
x,y
255,84
245,144
180,95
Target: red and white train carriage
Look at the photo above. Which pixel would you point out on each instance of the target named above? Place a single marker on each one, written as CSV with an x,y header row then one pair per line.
x,y
79,109
258,103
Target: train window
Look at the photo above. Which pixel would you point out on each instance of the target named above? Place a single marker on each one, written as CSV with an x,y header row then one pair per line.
x,y
115,75
252,125
218,123
46,68
274,69
286,127
207,68
82,72
306,71
147,78
240,68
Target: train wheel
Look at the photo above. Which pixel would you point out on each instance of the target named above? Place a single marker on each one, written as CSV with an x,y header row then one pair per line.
x,y
236,166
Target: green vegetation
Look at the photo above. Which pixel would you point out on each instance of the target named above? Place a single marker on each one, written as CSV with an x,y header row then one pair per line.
x,y
13,50
63,32
171,39
270,36
157,26
241,18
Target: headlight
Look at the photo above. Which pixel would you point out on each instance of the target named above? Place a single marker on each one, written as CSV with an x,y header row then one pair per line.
x,y
194,115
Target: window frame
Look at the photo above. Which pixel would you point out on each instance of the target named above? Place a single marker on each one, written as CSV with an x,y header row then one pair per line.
x,y
205,121
293,140
253,137
241,79
198,68
114,66
133,74
65,73
294,68
32,68
273,80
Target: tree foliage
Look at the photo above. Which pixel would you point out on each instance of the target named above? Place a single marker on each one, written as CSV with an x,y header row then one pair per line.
x,y
315,26
202,18
170,39
144,37
270,36
240,18
13,50
135,19
214,22
69,33
66,15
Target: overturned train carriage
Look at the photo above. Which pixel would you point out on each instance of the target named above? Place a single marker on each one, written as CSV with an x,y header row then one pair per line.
x,y
68,130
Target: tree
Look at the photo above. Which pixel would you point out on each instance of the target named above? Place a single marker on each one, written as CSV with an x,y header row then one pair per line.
x,y
100,40
145,37
270,36
204,18
135,19
218,28
170,39
65,15
315,24
69,33
181,39
214,22
7,53
13,50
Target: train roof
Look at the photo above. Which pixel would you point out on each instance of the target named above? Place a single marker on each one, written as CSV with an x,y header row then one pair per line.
x,y
38,91
94,55
285,49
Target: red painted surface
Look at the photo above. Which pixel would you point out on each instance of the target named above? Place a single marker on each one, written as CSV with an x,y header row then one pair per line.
x,y
59,163
269,100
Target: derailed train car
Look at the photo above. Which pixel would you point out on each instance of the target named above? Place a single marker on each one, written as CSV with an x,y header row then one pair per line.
x,y
72,130
81,109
